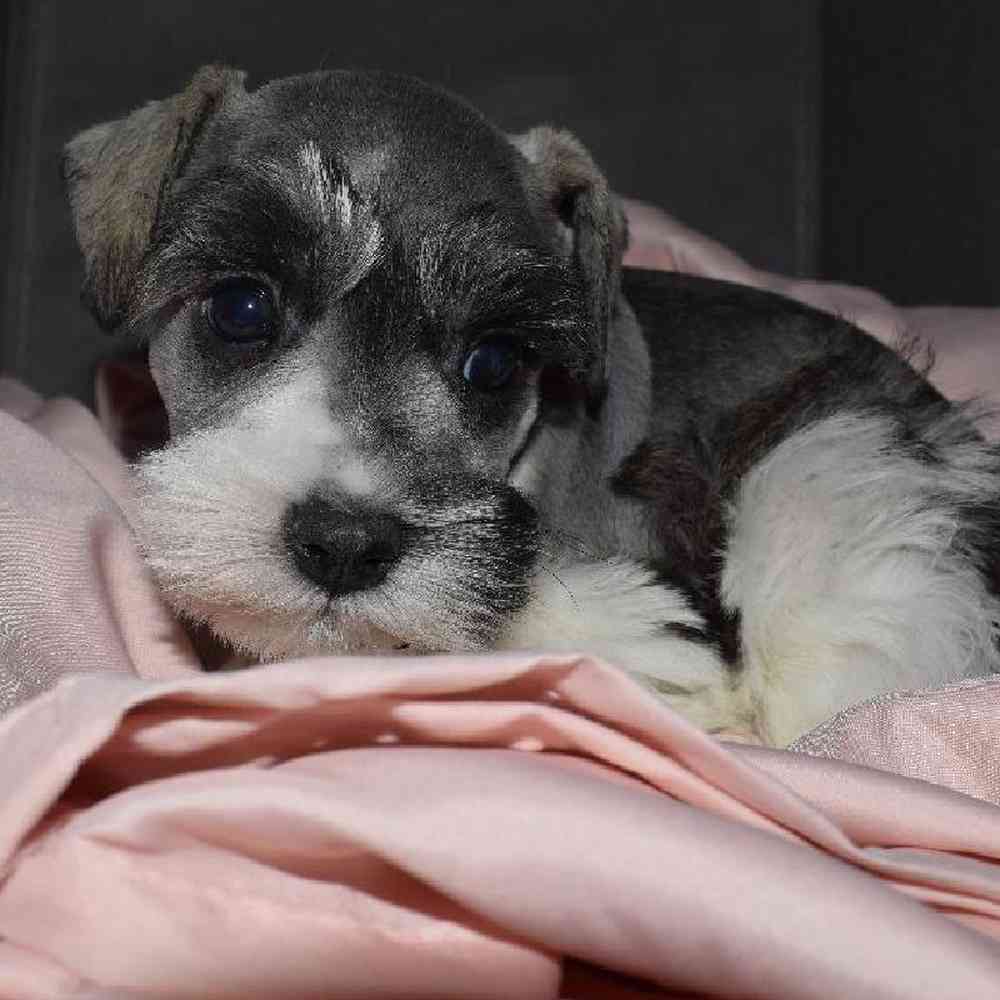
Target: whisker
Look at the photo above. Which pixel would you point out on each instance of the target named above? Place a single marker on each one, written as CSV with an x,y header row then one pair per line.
x,y
572,542
555,576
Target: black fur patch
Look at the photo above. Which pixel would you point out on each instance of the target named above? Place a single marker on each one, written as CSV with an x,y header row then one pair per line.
x,y
684,485
493,550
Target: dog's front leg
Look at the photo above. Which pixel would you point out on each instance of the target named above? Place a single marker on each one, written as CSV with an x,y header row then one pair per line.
x,y
617,609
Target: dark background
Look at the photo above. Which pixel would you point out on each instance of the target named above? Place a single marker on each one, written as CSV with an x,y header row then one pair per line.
x,y
847,140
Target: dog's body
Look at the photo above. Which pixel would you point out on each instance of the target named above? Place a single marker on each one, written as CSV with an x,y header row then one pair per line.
x,y
414,404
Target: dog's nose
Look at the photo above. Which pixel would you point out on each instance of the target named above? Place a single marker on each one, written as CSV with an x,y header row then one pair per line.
x,y
339,550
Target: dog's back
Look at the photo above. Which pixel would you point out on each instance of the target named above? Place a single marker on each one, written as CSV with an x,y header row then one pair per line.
x,y
824,508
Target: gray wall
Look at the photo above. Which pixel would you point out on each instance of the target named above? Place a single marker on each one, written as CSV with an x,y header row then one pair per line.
x,y
708,109
911,163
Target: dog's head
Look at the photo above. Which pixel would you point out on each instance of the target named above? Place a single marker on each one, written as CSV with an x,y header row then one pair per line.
x,y
363,304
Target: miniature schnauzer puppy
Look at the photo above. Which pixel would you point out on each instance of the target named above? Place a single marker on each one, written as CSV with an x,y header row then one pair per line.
x,y
415,403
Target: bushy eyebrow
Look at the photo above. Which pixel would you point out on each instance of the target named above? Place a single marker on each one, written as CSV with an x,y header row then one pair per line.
x,y
449,282
474,272
299,223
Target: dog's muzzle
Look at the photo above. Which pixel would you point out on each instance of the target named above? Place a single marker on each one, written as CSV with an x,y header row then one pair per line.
x,y
340,550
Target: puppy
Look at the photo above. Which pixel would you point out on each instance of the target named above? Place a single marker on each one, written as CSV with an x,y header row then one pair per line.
x,y
415,404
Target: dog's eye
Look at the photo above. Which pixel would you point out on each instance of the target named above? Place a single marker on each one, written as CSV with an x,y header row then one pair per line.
x,y
491,364
241,311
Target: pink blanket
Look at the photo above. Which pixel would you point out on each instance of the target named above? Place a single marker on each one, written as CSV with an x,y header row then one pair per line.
x,y
468,827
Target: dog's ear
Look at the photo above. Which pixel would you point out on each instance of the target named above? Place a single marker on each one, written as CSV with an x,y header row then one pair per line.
x,y
117,174
591,222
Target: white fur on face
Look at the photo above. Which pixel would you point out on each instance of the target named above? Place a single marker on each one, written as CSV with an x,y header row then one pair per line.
x,y
211,505
331,200
846,564
210,512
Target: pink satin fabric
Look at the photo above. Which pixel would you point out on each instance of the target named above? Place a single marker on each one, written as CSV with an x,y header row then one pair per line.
x,y
471,827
